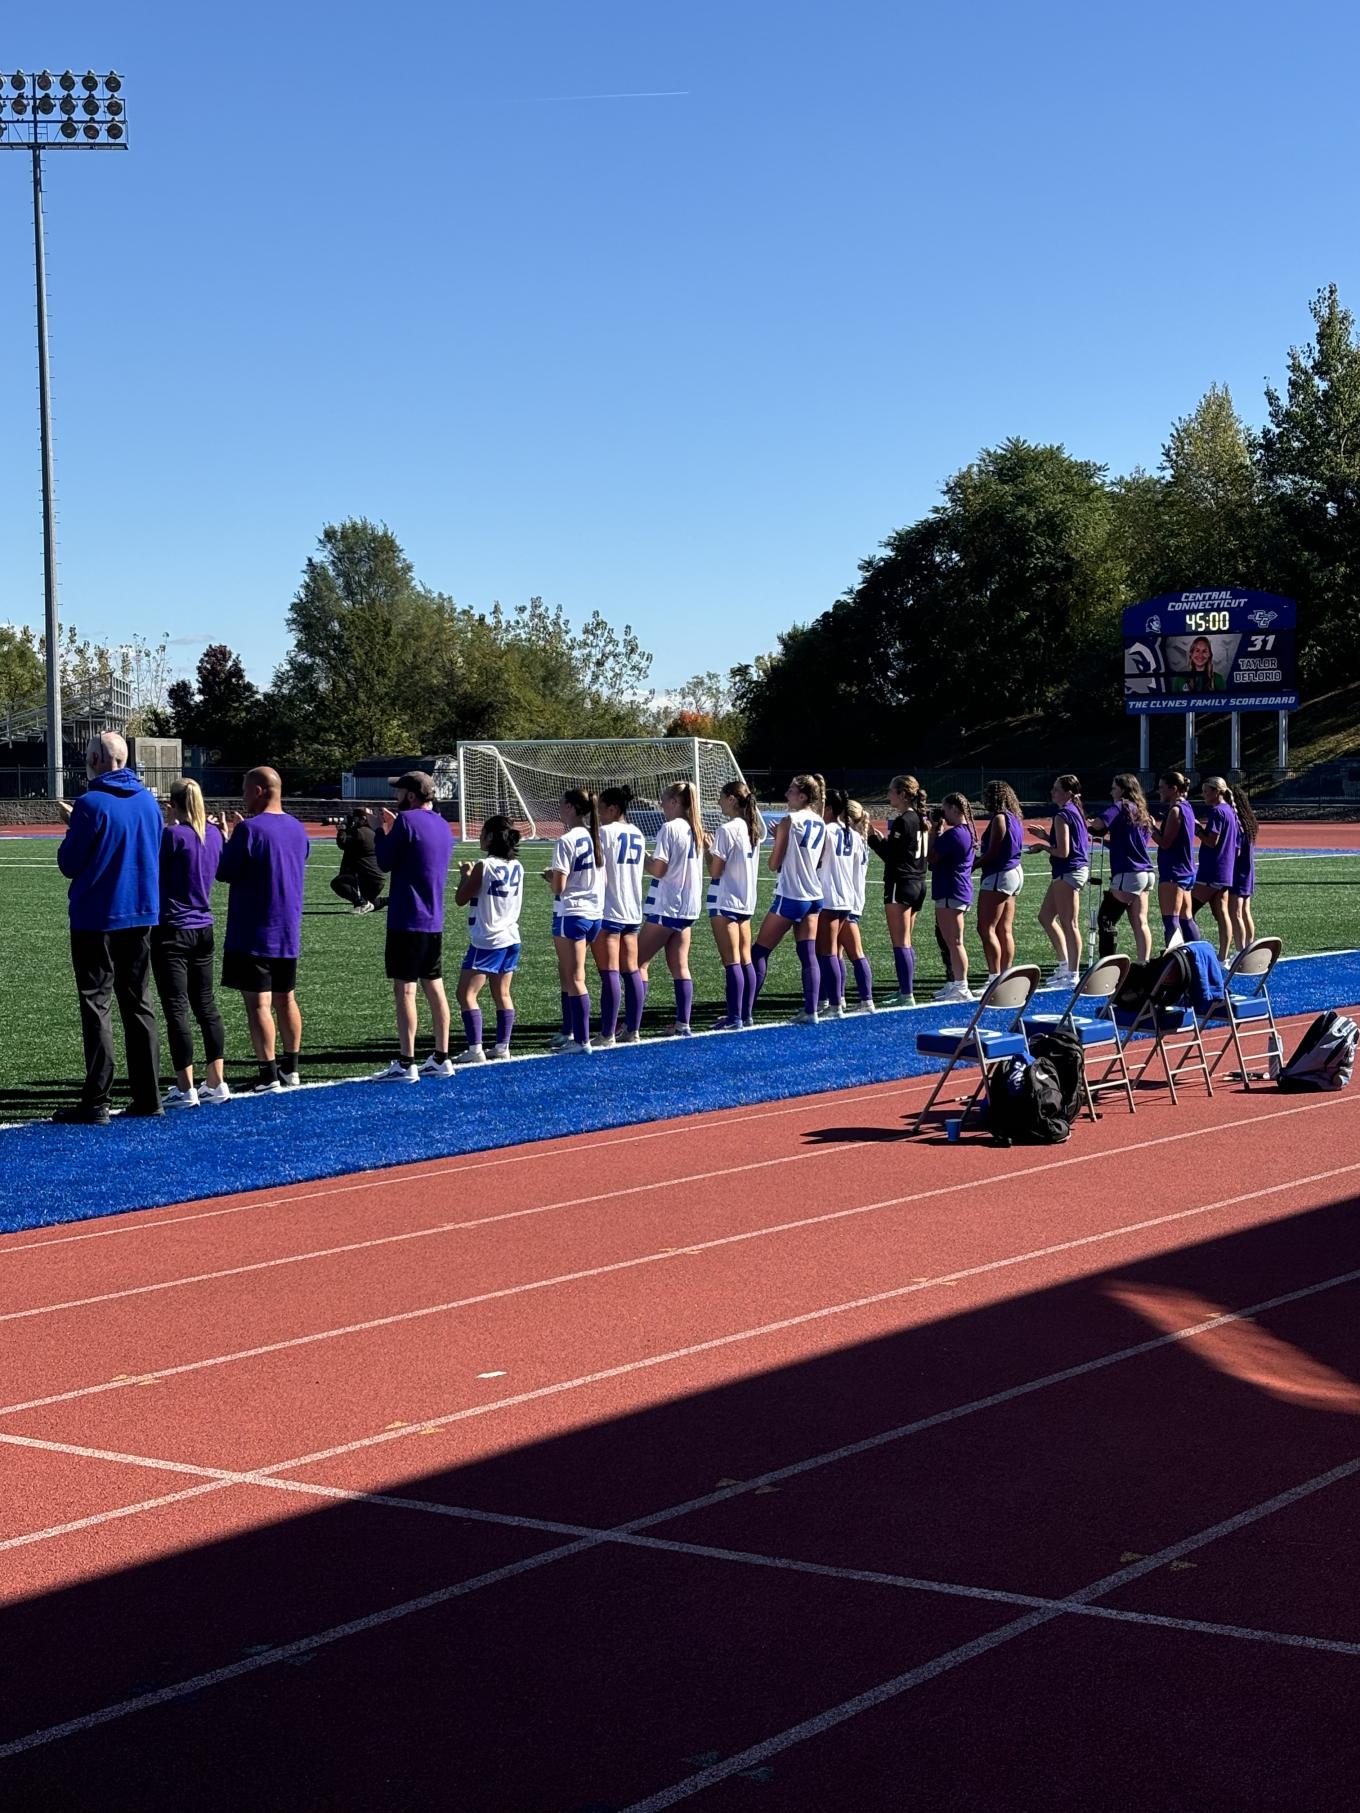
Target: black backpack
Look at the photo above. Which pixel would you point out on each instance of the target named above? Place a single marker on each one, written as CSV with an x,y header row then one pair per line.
x,y
1325,1057
1025,1104
1137,984
1063,1050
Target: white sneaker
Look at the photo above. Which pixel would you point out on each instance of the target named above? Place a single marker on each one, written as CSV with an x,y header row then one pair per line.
x,y
682,1030
290,1079
499,1053
628,1038
901,1000
365,906
559,1040
180,1098
867,1007
605,1044
806,1019
214,1097
574,1050
274,1088
396,1072
725,1025
434,1067
1062,977
836,1011
473,1055
943,996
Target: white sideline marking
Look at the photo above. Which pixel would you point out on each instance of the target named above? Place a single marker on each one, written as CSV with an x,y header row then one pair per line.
x,y
942,1664
621,1265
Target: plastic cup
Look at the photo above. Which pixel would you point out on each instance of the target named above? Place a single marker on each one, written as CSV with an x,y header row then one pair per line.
x,y
952,1130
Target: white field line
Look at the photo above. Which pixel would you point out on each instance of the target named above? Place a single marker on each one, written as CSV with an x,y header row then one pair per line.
x,y
125,1383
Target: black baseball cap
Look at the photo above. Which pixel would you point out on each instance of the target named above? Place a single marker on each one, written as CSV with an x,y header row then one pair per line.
x,y
416,782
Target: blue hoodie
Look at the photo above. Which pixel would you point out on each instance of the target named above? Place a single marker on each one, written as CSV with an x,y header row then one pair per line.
x,y
111,855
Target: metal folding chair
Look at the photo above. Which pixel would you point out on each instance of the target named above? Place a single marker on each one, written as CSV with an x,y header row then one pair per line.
x,y
1097,1031
1165,1014
1247,1012
977,1043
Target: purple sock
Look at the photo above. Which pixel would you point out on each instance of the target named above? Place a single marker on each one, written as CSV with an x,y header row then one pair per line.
x,y
864,978
684,1000
505,1024
807,960
760,962
826,980
634,998
472,1026
1169,924
838,964
578,1006
566,1013
902,962
611,992
736,988
749,992
1189,930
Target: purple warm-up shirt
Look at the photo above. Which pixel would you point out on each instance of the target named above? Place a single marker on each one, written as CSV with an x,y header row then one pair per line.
x,y
416,854
263,865
1128,840
1177,863
1009,851
188,871
1216,864
952,876
1078,841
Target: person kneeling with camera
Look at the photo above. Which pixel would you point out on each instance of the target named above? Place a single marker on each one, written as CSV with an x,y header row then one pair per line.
x,y
360,880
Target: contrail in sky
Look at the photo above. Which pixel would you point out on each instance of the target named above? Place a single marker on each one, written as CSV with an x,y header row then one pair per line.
x,y
647,94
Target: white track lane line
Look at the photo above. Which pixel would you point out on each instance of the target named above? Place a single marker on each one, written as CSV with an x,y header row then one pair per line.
x,y
719,1772
130,1382
966,1652
138,1221
269,1476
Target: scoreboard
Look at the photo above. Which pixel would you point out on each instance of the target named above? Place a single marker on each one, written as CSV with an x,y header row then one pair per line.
x,y
1229,650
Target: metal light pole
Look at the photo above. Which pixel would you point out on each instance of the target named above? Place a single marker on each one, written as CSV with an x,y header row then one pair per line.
x,y
35,120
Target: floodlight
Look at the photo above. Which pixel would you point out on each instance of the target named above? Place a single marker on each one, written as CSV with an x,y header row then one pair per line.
x,y
19,105
67,105
18,81
45,80
114,110
68,129
45,103
91,130
89,107
67,80
115,130
113,82
89,81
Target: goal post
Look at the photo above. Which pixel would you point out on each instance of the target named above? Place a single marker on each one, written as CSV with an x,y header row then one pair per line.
x,y
526,780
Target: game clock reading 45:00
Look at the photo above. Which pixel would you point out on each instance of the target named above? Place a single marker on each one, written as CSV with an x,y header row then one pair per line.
x,y
1194,651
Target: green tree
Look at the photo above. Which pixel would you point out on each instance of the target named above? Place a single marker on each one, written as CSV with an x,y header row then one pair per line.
x,y
224,711
21,670
1310,463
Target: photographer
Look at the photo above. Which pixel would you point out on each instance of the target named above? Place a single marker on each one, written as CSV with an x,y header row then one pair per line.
x,y
360,880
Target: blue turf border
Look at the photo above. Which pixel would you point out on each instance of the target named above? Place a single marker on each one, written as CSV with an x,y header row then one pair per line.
x,y
57,1174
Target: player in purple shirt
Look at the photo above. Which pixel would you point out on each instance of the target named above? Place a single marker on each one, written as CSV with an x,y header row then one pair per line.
x,y
1176,860
182,946
263,865
1244,872
950,853
415,847
1000,857
1217,857
1068,847
1126,825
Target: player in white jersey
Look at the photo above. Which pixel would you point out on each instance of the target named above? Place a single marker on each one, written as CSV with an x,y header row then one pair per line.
x,y
493,890
733,867
676,865
845,865
615,949
797,851
576,877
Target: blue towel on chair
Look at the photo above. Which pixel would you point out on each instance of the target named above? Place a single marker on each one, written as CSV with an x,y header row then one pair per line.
x,y
1206,983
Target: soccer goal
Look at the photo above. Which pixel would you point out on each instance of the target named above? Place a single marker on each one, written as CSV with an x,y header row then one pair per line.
x,y
526,781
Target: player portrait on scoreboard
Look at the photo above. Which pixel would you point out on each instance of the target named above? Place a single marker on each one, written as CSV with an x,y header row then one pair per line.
x,y
1200,663
1229,646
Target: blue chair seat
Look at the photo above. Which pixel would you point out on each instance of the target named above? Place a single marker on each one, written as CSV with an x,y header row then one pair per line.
x,y
1246,1007
1088,1031
1169,1019
944,1043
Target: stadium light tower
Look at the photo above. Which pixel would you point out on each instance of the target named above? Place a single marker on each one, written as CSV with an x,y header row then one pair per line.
x,y
55,113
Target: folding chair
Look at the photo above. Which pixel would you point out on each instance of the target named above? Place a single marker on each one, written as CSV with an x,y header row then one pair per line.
x,y
1247,1013
1165,1013
982,1045
1101,982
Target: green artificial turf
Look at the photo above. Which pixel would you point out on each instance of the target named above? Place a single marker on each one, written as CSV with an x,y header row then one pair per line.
x,y
347,1003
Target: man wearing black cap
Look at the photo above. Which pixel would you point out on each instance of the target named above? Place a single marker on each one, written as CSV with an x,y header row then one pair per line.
x,y
414,847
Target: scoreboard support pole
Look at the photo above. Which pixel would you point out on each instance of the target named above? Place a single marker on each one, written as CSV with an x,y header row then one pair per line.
x,y
1144,744
1282,745
1235,743
1190,743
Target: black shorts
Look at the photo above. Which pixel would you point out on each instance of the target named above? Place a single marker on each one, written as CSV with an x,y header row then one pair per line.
x,y
907,891
259,975
414,956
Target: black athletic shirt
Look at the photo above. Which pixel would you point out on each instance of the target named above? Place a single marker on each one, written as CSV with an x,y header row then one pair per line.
x,y
903,849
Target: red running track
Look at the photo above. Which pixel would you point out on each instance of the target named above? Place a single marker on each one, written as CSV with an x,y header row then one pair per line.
x,y
767,1459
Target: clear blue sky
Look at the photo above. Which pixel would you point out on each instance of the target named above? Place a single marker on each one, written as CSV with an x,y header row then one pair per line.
x,y
685,360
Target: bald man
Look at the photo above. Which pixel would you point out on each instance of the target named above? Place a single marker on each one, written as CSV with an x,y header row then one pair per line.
x,y
111,856
263,864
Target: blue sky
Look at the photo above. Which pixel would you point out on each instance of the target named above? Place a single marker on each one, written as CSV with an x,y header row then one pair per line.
x,y
684,360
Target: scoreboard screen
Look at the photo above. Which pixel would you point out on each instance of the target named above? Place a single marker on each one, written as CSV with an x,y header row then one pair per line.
x,y
1228,650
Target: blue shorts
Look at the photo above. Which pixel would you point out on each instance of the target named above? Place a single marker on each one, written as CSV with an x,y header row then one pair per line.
x,y
840,913
795,911
671,925
572,926
617,928
492,963
731,918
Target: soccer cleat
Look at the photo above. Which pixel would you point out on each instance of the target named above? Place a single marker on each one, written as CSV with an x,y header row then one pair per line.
x,y
214,1097
498,1053
396,1072
805,1019
627,1037
77,1114
573,1049
473,1055
603,1044
900,1000
867,1007
180,1098
682,1030
725,1025
558,1040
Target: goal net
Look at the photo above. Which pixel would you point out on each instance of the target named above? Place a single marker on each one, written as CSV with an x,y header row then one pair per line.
x,y
526,781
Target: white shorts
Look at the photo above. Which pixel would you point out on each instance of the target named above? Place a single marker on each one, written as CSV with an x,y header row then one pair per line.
x,y
1076,879
954,904
1132,881
1008,882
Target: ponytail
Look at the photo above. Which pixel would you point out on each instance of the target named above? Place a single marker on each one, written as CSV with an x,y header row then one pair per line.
x,y
1070,784
746,811
1131,790
1174,778
813,788
856,817
587,808
186,796
620,797
502,838
912,791
837,807
688,797
1246,815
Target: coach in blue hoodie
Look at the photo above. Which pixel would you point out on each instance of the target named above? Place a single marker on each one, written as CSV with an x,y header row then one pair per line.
x,y
111,857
